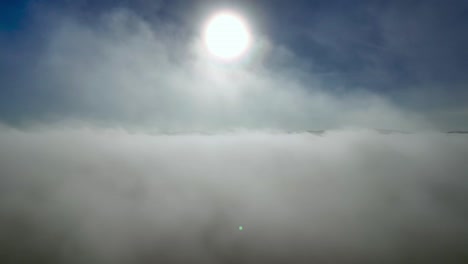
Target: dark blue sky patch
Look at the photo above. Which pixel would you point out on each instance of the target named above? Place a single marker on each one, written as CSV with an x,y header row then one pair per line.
x,y
13,15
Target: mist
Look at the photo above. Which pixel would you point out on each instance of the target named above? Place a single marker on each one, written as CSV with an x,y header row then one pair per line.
x,y
348,196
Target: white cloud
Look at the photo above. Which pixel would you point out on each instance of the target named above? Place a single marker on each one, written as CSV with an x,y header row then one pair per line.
x,y
107,196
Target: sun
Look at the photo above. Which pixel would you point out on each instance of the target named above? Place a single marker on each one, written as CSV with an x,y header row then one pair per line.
x,y
227,36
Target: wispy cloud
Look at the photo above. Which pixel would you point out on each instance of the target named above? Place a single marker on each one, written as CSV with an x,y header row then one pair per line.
x,y
124,71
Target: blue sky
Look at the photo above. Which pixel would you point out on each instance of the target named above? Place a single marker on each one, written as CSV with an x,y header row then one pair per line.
x,y
410,54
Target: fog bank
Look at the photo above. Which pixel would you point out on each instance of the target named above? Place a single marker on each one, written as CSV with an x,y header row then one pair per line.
x,y
351,196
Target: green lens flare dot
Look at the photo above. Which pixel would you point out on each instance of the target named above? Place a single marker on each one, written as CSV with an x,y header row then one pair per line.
x,y
241,228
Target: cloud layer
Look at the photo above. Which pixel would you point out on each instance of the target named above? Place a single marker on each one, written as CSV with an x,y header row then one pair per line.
x,y
355,196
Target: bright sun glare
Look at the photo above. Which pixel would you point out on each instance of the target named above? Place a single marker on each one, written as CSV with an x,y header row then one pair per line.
x,y
227,36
